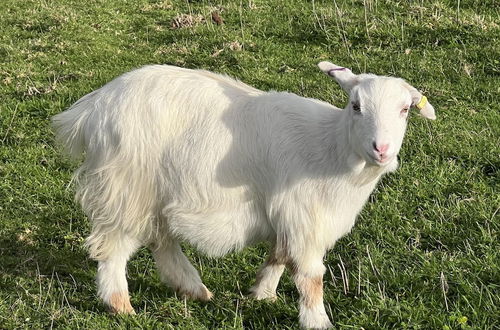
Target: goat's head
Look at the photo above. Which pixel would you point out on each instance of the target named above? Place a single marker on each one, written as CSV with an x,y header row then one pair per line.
x,y
378,107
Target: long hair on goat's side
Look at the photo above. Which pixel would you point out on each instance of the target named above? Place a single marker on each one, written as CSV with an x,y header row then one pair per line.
x,y
116,198
115,185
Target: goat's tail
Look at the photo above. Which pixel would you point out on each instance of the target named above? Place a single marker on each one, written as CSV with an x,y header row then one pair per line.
x,y
71,125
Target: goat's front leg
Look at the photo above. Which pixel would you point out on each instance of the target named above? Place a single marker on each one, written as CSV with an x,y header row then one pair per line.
x,y
268,277
308,277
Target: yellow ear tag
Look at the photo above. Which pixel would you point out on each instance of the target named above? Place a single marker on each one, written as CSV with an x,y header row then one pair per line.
x,y
422,103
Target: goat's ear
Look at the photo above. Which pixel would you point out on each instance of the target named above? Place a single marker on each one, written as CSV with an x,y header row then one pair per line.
x,y
346,79
420,102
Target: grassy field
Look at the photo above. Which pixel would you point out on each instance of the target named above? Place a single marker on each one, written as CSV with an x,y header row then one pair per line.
x,y
425,253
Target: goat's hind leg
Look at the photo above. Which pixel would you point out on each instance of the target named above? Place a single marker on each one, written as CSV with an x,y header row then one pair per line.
x,y
268,277
111,272
176,270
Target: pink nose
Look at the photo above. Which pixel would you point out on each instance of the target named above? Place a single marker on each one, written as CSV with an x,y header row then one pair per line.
x,y
380,148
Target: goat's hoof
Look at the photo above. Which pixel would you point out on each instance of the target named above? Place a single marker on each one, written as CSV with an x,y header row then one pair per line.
x,y
120,304
311,321
202,294
205,294
262,295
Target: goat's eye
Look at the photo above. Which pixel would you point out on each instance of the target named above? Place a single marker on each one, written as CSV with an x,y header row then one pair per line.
x,y
404,111
356,107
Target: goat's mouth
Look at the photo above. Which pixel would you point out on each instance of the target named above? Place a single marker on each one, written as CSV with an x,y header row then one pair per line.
x,y
378,160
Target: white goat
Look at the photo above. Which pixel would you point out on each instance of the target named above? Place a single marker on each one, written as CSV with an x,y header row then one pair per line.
x,y
174,155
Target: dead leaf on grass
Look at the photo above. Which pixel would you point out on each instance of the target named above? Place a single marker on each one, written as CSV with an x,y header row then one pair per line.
x,y
186,20
216,18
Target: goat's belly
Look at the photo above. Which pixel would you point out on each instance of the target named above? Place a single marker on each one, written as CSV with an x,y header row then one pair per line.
x,y
343,226
217,232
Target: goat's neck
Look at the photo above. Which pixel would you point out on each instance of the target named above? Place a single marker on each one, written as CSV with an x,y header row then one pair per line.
x,y
329,148
325,142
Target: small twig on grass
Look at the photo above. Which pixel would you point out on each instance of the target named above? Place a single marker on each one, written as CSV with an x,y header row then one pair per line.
x,y
322,26
333,276
185,308
236,313
444,288
342,31
345,280
375,271
366,22
359,277
7,131
39,277
48,289
239,289
64,297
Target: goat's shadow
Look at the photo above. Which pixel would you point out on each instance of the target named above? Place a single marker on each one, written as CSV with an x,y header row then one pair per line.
x,y
47,262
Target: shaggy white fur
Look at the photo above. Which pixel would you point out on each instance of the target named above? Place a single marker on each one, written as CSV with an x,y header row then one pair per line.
x,y
172,154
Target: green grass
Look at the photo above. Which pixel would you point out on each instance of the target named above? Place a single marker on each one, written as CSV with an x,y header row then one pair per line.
x,y
425,253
